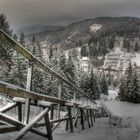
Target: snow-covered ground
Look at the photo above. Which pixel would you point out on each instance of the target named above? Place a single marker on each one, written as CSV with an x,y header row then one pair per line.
x,y
136,59
95,27
100,131
128,112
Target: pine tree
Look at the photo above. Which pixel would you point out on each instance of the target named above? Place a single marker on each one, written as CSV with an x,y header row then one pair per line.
x,y
104,85
136,47
4,24
89,84
5,50
94,86
122,90
135,87
129,88
18,72
50,53
38,77
70,71
22,38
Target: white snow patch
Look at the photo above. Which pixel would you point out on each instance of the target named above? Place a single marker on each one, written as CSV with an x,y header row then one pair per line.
x,y
136,59
95,27
128,112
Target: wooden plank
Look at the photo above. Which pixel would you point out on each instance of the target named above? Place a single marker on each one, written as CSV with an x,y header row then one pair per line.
x,y
7,129
23,131
19,125
15,91
8,107
4,37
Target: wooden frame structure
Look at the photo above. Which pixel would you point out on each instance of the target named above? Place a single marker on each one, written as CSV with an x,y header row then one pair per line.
x,y
47,103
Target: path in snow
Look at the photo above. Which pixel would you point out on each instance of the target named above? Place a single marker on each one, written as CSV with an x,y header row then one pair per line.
x,y
100,131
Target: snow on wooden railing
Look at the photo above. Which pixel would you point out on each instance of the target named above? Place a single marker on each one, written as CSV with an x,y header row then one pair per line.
x,y
4,37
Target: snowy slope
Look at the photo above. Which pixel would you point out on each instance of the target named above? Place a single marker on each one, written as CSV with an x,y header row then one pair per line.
x,y
130,113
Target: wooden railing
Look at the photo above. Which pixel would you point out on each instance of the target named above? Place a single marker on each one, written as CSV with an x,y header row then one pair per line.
x,y
27,96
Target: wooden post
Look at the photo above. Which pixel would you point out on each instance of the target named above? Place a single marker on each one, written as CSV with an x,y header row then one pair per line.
x,y
70,118
82,118
76,119
23,131
67,125
52,114
48,127
74,99
87,111
91,120
59,97
19,111
93,114
28,87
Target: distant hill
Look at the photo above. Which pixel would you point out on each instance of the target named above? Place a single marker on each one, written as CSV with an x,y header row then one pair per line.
x,y
95,37
39,30
82,32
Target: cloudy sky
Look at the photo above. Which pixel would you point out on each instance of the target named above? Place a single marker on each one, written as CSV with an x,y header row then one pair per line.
x,y
24,13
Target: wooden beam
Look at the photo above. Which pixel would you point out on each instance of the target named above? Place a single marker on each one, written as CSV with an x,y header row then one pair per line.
x,y
4,37
23,131
8,107
15,91
19,125
7,129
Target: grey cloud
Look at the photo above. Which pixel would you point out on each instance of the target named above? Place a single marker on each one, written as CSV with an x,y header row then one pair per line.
x,y
22,13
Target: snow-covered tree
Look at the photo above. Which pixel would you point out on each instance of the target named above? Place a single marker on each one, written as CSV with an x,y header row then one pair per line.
x,y
90,85
5,50
38,76
104,85
18,74
129,87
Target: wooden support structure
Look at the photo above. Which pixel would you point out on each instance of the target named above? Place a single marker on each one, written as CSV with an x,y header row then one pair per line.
x,y
28,87
88,120
48,127
59,97
8,129
23,131
8,107
91,117
82,118
27,98
19,124
19,111
70,118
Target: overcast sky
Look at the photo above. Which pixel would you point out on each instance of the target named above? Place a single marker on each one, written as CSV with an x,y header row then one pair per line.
x,y
23,13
